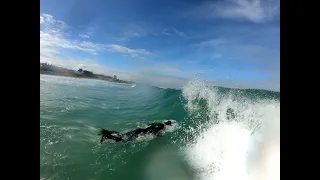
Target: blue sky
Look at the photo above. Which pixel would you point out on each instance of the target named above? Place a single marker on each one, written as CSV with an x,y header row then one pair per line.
x,y
232,43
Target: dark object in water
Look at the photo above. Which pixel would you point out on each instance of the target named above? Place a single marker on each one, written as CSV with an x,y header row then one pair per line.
x,y
105,134
230,114
154,128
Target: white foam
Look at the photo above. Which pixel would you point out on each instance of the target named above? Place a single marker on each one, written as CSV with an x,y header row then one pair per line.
x,y
174,126
244,149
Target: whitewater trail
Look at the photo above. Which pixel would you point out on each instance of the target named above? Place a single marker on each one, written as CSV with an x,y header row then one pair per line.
x,y
245,148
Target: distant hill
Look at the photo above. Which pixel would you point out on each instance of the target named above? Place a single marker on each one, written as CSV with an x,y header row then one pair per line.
x,y
49,69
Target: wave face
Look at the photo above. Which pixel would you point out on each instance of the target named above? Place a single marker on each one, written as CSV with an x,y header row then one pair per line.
x,y
219,133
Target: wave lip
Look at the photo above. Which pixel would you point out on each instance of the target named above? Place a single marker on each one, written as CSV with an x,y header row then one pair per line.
x,y
244,147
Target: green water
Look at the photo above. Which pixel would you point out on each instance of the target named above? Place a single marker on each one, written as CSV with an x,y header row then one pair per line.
x,y
73,110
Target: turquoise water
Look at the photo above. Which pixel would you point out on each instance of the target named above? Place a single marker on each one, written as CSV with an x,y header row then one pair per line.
x,y
73,110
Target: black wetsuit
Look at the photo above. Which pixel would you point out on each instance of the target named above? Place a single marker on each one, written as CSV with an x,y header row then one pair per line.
x,y
105,134
153,128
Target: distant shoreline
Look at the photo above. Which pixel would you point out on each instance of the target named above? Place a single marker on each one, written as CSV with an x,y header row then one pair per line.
x,y
47,69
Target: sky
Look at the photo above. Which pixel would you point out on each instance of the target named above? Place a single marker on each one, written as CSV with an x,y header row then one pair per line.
x,y
232,43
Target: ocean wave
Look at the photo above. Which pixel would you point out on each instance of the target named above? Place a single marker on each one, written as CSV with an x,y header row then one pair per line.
x,y
220,132
226,147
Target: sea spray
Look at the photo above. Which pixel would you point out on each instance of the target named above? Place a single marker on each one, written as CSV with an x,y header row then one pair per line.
x,y
240,148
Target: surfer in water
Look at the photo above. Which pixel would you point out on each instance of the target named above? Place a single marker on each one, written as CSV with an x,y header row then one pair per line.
x,y
153,128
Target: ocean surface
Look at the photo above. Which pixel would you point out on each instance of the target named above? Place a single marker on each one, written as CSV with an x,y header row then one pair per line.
x,y
204,143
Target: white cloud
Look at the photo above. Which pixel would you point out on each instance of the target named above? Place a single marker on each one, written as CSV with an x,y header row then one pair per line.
x,y
214,42
53,38
41,19
49,21
251,10
172,31
48,52
136,30
125,50
84,36
132,34
179,33
131,31
165,32
46,18
55,41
